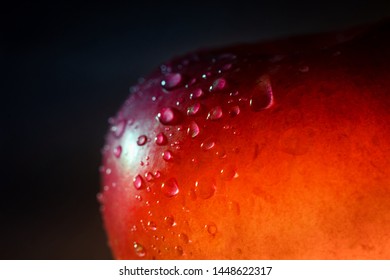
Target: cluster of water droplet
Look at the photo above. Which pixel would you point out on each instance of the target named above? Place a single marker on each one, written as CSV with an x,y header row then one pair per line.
x,y
199,91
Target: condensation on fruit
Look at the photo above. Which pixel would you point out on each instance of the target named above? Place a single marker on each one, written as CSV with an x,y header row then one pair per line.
x,y
152,225
161,139
167,155
170,187
169,116
208,144
193,109
169,221
196,93
193,129
138,182
262,97
211,229
205,188
171,81
215,113
139,250
218,85
119,128
142,140
118,151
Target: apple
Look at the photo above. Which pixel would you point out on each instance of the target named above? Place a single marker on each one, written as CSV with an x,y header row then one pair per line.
x,y
271,150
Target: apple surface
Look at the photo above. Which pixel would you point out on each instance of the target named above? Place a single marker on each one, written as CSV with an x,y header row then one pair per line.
x,y
270,150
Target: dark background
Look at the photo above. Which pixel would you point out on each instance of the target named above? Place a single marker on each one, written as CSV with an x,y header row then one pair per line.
x,y
66,68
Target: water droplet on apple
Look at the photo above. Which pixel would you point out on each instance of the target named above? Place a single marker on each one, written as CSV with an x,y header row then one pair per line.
x,y
179,250
218,84
197,93
171,81
142,140
138,182
262,97
205,188
215,113
139,250
170,187
167,155
148,176
228,173
161,139
234,111
184,237
169,221
193,129
108,171
119,128
169,116
208,144
193,109
157,174
118,151
152,225
211,229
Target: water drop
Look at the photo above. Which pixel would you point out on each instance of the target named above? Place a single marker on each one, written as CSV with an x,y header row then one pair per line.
x,y
184,237
205,188
197,93
157,174
218,84
220,152
208,144
193,129
169,221
161,139
170,187
171,81
234,111
179,250
119,128
152,225
148,176
108,171
215,113
193,109
229,172
142,140
262,97
211,229
118,151
139,250
138,182
167,155
169,116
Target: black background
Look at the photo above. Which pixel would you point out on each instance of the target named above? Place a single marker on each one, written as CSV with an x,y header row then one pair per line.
x,y
67,69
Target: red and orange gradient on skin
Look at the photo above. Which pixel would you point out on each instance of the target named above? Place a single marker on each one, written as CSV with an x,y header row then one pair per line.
x,y
267,151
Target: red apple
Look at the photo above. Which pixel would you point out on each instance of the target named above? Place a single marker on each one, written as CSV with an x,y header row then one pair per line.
x,y
274,150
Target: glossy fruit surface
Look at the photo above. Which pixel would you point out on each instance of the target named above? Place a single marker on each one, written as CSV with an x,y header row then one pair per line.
x,y
267,151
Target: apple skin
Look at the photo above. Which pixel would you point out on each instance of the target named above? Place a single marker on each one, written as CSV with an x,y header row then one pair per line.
x,y
275,150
